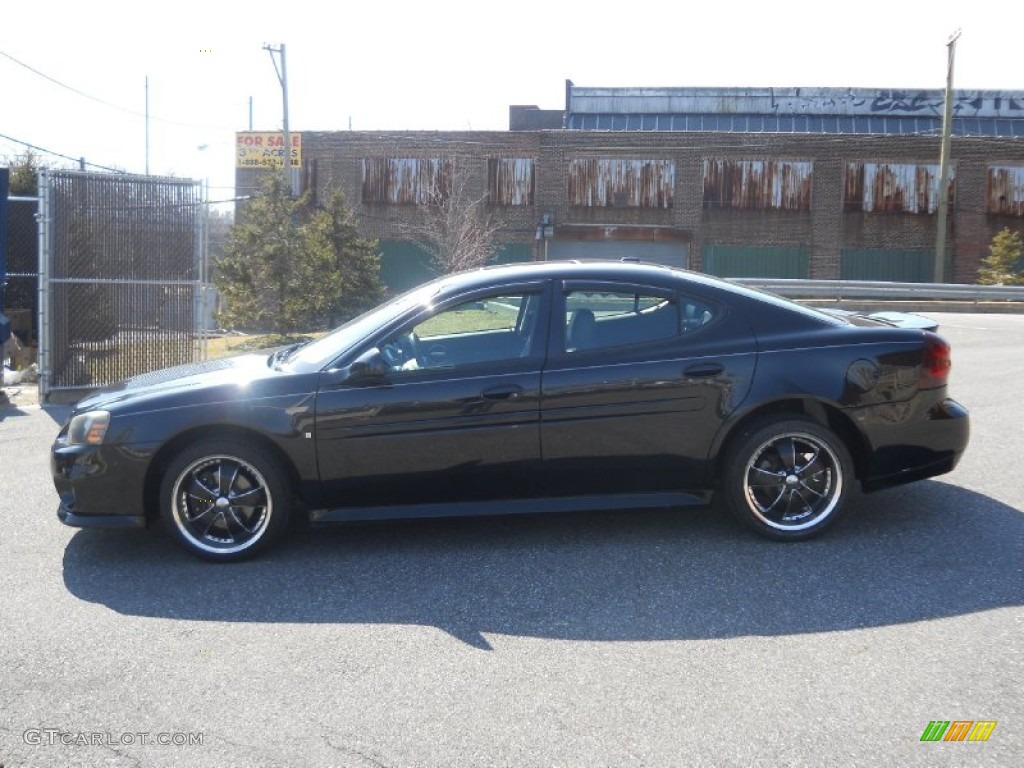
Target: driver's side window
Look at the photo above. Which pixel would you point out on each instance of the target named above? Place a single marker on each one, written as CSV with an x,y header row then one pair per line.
x,y
484,330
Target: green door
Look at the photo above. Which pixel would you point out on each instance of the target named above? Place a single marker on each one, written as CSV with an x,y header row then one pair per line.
x,y
756,261
904,266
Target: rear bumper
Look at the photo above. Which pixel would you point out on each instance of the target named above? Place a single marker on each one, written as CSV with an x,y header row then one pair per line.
x,y
929,446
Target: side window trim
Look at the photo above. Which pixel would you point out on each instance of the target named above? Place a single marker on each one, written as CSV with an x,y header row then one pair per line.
x,y
605,286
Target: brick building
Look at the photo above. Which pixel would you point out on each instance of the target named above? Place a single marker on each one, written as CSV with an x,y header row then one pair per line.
x,y
804,183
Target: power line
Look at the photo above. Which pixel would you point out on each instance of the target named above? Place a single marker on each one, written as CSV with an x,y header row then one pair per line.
x,y
105,103
60,154
80,160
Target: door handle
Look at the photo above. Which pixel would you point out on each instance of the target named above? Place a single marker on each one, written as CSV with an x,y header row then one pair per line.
x,y
502,392
703,370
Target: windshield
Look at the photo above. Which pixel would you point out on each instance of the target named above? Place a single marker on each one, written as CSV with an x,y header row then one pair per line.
x,y
317,354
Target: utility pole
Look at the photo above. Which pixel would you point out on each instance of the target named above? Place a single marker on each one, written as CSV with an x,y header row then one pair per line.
x,y
282,76
947,130
147,125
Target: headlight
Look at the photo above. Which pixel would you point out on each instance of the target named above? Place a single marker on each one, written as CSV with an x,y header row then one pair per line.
x,y
88,428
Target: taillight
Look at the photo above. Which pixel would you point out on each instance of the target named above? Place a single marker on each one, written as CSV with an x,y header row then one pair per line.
x,y
936,363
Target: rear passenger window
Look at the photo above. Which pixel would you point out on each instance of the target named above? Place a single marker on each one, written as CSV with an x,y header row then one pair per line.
x,y
601,320
695,314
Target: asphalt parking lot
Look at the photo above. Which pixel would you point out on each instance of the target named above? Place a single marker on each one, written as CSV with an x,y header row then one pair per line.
x,y
647,639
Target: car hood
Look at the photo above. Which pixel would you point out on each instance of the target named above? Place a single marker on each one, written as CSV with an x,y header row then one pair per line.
x,y
198,377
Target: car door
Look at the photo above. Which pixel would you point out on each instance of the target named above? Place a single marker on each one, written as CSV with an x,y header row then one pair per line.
x,y
455,417
638,381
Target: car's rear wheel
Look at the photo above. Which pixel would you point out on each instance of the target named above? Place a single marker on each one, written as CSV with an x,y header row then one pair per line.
x,y
224,501
787,478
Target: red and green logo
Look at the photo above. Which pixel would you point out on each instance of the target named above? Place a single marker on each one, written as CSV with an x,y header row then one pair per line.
x,y
958,730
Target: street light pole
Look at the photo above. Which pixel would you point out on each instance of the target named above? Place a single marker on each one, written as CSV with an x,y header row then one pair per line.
x,y
204,260
282,76
947,130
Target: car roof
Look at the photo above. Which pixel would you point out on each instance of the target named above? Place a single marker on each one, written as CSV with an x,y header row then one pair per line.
x,y
623,271
592,269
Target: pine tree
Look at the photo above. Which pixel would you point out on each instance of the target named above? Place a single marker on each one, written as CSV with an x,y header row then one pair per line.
x,y
356,259
289,266
1005,263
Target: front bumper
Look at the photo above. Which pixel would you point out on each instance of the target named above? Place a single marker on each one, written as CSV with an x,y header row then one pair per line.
x,y
68,517
101,486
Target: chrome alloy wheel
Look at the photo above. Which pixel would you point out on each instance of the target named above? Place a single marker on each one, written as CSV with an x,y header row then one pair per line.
x,y
793,481
221,504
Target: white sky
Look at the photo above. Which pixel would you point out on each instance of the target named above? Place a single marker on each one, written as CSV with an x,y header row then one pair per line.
x,y
441,65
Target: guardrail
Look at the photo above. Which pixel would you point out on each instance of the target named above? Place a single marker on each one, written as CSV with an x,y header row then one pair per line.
x,y
839,290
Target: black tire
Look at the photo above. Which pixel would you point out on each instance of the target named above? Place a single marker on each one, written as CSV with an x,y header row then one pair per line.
x,y
224,501
787,478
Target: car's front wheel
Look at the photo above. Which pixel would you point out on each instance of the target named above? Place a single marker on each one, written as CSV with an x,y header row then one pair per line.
x,y
224,501
787,478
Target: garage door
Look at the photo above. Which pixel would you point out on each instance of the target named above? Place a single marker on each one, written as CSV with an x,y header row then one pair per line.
x,y
671,254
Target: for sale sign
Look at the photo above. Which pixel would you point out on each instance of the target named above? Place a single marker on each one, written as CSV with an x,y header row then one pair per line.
x,y
265,150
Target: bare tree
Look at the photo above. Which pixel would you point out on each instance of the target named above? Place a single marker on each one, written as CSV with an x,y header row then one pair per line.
x,y
24,173
455,226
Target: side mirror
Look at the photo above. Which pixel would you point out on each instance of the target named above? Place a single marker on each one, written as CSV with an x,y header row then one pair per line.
x,y
369,368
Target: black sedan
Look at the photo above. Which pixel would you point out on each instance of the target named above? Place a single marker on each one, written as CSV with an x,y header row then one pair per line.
x,y
525,388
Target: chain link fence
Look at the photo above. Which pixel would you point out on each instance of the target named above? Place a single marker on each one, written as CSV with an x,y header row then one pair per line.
x,y
21,287
121,264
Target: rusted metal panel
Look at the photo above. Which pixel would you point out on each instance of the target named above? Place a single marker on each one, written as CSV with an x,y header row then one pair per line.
x,y
612,182
406,180
758,185
1006,190
510,180
375,179
893,187
794,101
